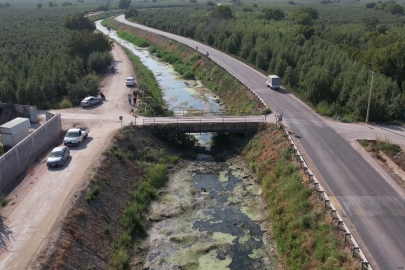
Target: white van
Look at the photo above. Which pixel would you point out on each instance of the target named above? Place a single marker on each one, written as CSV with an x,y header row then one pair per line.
x,y
273,81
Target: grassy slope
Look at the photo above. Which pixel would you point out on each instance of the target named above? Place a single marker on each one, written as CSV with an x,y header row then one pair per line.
x,y
236,96
303,232
100,228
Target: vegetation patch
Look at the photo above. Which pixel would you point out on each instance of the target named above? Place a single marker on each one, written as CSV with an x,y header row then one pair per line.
x,y
304,234
137,41
393,151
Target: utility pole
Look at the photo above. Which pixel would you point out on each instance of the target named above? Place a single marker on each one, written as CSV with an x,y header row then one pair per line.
x,y
369,97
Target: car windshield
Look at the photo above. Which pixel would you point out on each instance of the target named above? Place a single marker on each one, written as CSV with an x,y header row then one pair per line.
x,y
72,134
55,154
130,80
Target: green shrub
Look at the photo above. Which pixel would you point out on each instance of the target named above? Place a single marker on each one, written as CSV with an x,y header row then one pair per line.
x,y
348,118
173,159
92,194
106,229
188,75
65,103
323,108
137,41
364,143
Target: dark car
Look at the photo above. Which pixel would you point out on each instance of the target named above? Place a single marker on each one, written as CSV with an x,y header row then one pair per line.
x,y
58,156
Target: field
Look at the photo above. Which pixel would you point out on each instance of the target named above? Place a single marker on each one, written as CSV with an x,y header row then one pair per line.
x,y
36,67
324,52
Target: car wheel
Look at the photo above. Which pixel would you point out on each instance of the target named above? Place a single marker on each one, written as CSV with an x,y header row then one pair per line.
x,y
86,136
78,144
90,105
63,163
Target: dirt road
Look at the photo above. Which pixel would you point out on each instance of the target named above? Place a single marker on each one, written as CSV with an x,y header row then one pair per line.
x,y
43,196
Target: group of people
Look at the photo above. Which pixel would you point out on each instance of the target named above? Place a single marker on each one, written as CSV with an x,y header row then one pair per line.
x,y
134,98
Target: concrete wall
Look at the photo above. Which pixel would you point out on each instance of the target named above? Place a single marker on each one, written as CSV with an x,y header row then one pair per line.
x,y
25,111
17,160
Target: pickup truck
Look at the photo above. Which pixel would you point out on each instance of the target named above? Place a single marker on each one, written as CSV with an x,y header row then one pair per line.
x,y
75,136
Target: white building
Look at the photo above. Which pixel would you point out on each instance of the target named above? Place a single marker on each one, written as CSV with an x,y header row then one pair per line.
x,y
15,131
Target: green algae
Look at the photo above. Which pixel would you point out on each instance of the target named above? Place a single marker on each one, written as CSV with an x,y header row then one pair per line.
x,y
190,257
223,238
250,211
258,253
223,176
210,261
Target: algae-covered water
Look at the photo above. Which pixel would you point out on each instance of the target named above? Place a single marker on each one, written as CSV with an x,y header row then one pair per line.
x,y
208,217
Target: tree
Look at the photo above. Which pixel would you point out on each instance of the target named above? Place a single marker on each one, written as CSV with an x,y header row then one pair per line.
x,y
39,5
305,15
51,4
131,13
394,9
247,9
99,61
255,5
124,4
291,2
371,23
272,14
79,22
223,11
193,1
85,42
211,4
371,5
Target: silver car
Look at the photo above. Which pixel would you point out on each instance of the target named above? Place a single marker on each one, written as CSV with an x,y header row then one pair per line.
x,y
90,101
58,156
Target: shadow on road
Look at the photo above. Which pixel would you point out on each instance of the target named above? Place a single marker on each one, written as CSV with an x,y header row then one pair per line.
x,y
92,107
391,129
67,162
5,235
83,145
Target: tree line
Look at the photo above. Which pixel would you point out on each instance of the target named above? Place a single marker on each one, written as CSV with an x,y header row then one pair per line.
x,y
326,63
45,58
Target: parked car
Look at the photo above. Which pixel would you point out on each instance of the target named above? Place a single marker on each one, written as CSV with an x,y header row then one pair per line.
x,y
90,101
75,136
130,81
58,156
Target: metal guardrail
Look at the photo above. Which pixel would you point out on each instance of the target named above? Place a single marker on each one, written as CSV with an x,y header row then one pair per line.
x,y
333,211
199,120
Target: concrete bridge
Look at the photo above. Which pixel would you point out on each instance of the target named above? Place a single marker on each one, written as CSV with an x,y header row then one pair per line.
x,y
234,124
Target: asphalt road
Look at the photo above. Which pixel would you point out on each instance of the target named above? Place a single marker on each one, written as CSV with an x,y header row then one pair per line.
x,y
371,205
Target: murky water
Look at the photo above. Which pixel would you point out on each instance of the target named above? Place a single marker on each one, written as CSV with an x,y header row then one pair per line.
x,y
181,96
209,217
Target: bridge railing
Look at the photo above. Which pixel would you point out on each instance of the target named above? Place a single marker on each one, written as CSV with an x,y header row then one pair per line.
x,y
199,120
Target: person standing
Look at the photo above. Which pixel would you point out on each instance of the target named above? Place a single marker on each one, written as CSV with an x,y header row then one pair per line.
x,y
129,99
135,101
132,110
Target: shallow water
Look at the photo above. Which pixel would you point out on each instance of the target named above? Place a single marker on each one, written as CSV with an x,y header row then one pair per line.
x,y
181,95
209,217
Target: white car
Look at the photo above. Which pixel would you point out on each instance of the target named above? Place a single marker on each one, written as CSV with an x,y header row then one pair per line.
x,y
90,101
130,81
